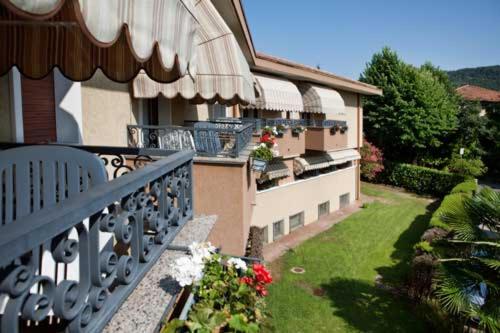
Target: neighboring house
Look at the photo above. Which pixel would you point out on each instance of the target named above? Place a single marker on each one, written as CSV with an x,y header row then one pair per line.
x,y
489,99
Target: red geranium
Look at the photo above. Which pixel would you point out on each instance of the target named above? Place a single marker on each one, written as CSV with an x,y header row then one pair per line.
x,y
261,278
262,275
268,139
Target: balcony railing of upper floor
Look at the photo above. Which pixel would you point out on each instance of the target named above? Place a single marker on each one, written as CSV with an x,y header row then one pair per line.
x,y
78,233
207,138
260,123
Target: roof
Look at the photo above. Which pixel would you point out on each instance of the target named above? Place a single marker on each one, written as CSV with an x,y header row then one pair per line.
x,y
475,93
296,71
263,63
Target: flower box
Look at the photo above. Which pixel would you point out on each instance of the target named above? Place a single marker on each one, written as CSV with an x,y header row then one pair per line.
x,y
221,293
259,165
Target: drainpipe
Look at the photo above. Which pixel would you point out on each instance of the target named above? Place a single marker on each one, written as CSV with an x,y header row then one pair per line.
x,y
358,140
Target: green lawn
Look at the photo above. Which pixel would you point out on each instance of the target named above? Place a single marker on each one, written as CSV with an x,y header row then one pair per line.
x,y
337,293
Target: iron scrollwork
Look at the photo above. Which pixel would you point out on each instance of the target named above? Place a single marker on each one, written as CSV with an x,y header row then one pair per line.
x,y
110,248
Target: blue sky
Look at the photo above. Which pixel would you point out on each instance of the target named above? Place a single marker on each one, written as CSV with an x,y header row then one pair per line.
x,y
341,36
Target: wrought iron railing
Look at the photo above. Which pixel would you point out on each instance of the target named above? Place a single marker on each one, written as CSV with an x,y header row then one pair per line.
x,y
221,139
160,137
137,214
217,138
325,123
285,122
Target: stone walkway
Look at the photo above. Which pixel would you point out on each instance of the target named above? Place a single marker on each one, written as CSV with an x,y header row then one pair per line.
x,y
276,249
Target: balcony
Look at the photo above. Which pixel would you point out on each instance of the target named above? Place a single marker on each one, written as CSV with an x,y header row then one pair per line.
x,y
211,139
326,135
81,226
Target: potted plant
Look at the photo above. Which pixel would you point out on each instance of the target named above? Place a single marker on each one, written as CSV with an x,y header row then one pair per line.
x,y
228,294
297,130
334,129
261,155
280,130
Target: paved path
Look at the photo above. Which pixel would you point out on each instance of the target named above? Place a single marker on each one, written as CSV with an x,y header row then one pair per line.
x,y
276,249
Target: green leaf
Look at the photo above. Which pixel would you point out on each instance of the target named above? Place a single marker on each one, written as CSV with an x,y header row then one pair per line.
x,y
174,326
240,324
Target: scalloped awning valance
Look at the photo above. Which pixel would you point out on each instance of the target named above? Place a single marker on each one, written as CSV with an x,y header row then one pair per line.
x,y
276,94
121,37
223,74
322,100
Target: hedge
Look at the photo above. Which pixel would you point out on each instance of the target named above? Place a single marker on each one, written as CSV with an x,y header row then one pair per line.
x,y
421,180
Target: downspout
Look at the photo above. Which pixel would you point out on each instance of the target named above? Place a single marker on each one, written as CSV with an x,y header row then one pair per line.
x,y
358,132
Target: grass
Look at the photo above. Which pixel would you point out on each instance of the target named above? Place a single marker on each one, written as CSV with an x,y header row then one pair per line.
x,y
338,292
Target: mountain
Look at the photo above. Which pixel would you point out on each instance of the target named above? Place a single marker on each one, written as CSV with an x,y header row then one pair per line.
x,y
486,77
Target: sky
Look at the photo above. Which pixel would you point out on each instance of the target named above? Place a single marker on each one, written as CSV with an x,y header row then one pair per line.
x,y
342,36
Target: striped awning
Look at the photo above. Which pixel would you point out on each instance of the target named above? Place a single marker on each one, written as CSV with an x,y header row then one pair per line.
x,y
276,169
310,163
223,74
121,37
344,156
277,94
322,100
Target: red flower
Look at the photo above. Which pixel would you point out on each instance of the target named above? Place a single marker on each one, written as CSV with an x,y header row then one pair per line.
x,y
261,290
247,280
267,139
262,275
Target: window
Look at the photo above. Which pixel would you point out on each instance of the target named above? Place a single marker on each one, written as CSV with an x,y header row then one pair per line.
x,y
278,229
265,235
323,209
344,200
296,221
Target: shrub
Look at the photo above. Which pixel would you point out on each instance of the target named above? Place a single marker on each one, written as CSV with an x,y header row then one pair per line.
x,y
371,161
444,207
255,243
421,180
469,168
421,274
468,187
423,247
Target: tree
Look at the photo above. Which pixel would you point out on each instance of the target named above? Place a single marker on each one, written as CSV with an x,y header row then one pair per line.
x,y
468,282
414,118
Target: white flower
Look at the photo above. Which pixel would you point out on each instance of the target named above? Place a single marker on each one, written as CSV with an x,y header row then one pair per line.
x,y
238,263
187,271
263,145
202,251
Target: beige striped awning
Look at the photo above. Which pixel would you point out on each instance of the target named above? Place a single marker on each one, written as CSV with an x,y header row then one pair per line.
x,y
223,74
274,170
121,37
322,100
310,163
344,156
276,94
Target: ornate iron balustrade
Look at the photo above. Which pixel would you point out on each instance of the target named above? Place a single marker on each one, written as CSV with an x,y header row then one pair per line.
x,y
221,138
285,122
257,123
326,123
160,137
218,138
137,214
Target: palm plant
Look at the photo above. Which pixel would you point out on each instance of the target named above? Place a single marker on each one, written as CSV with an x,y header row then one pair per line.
x,y
468,279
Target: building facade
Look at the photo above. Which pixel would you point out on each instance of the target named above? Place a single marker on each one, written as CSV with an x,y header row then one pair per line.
x,y
314,172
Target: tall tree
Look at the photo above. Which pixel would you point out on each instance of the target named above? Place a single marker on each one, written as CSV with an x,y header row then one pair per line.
x,y
413,119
